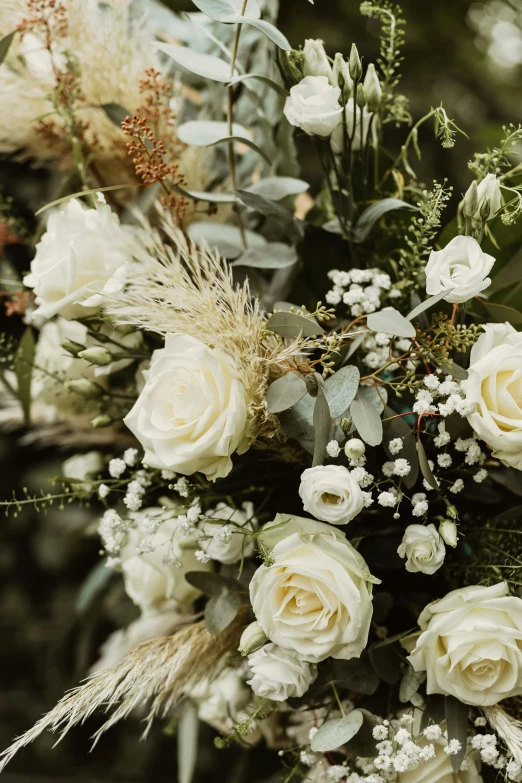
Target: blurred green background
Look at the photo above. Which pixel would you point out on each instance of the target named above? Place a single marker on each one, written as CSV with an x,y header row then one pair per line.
x,y
467,55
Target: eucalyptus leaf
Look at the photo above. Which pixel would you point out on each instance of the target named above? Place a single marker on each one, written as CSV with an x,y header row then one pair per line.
x,y
273,255
322,422
434,711
376,395
214,198
386,658
271,32
433,300
272,209
291,325
23,365
410,684
341,388
264,79
212,584
206,65
204,133
454,369
457,723
334,733
363,743
224,10
374,212
226,239
5,44
390,321
424,466
501,312
221,610
115,112
297,421
276,188
366,420
93,585
285,392
187,742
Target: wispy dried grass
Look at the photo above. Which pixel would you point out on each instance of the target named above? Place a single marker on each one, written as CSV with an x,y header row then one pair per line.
x,y
508,728
155,673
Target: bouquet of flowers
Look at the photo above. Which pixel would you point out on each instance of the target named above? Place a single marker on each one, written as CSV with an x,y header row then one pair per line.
x,y
298,421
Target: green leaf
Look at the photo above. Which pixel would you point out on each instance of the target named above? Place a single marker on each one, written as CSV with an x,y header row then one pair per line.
x,y
508,478
341,388
226,239
363,744
212,584
367,420
204,133
424,466
375,395
291,326
297,421
285,392
386,658
434,711
398,428
374,212
224,10
390,321
5,43
92,586
322,422
276,188
433,300
273,255
206,65
221,610
272,209
115,112
334,733
410,684
187,742
23,365
454,369
503,313
457,722
264,79
81,193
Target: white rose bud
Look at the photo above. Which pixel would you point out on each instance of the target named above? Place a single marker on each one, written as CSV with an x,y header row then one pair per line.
x,y
96,355
85,387
341,75
372,88
423,549
313,105
316,62
278,674
354,448
471,645
488,192
448,531
330,493
252,638
461,266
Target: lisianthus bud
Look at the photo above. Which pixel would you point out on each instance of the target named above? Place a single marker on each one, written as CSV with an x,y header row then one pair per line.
x,y
355,63
252,638
341,75
291,67
85,388
103,420
489,196
470,203
360,97
354,448
97,355
372,88
72,347
448,532
316,62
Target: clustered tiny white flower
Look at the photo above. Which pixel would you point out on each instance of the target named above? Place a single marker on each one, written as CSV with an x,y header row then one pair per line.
x,y
480,476
457,487
103,491
388,469
307,758
360,289
419,503
134,496
423,402
431,382
395,445
168,475
480,722
336,772
432,732
117,467
401,467
130,456
387,499
443,438
333,449
514,771
444,460
380,732
453,747
367,499
112,531
362,477
181,487
201,556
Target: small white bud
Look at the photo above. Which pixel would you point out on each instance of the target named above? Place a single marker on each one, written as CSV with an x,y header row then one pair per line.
x,y
316,62
448,532
354,448
355,63
96,355
470,203
372,88
341,75
85,387
252,638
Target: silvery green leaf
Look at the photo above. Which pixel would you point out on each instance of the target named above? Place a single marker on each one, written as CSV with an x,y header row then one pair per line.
x,y
322,421
267,29
115,112
454,369
212,584
215,198
264,79
425,467
204,133
93,585
297,421
334,733
390,321
187,742
290,325
354,345
272,209
221,610
273,255
206,65
276,188
366,420
374,212
363,743
377,396
285,392
433,300
457,715
227,10
341,388
23,366
226,239
5,43
410,684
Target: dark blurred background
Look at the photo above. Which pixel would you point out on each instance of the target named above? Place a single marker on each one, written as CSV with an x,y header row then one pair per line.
x,y
467,55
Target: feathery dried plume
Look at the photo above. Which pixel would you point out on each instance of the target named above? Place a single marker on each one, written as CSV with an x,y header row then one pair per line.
x,y
508,729
156,672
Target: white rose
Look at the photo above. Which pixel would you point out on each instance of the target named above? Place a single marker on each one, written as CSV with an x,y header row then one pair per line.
x,y
221,700
331,493
471,645
82,257
316,597
316,62
488,190
83,466
191,414
439,770
461,266
362,117
493,387
156,577
423,548
313,105
222,540
278,674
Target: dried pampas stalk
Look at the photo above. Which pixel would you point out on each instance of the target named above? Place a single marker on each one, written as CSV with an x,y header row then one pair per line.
x,y
508,729
157,672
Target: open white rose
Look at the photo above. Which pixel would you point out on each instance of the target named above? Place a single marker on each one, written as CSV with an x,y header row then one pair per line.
x,y
494,387
461,266
316,597
471,645
331,493
362,119
423,548
82,257
313,105
278,674
191,414
222,540
154,564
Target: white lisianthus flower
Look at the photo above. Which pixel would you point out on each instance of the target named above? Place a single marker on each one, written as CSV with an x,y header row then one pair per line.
x,y
362,118
316,597
313,105
82,258
191,414
488,190
278,674
222,540
494,390
423,548
316,62
461,266
83,466
155,578
330,493
471,645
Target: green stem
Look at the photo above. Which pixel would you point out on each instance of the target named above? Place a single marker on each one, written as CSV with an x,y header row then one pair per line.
x,y
230,123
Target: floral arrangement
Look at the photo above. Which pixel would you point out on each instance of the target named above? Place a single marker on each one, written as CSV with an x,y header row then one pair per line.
x,y
297,421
